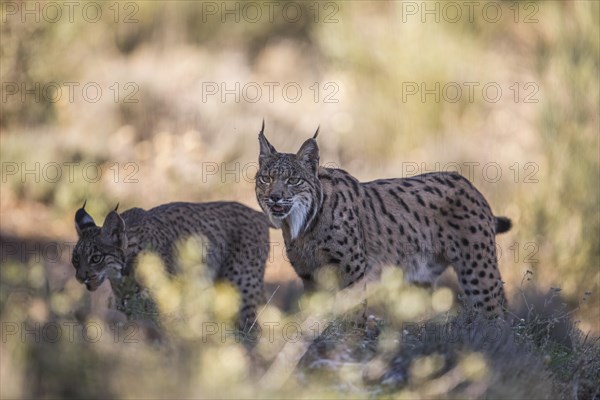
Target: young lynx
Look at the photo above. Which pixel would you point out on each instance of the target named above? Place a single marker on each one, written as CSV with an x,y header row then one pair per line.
x,y
237,235
422,224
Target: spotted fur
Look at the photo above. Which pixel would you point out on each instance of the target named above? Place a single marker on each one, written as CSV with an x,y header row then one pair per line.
x,y
237,249
421,224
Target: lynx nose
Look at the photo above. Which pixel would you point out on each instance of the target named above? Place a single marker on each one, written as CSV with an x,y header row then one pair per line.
x,y
275,197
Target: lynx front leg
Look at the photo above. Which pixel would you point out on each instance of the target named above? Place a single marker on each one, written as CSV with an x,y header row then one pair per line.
x,y
354,281
353,301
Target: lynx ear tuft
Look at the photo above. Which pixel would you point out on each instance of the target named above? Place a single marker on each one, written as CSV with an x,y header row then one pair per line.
x,y
266,148
83,220
317,132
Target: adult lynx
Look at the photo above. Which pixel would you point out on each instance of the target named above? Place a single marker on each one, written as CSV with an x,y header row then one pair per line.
x,y
421,224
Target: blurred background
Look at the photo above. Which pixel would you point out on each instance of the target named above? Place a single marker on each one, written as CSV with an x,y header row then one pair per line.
x,y
142,103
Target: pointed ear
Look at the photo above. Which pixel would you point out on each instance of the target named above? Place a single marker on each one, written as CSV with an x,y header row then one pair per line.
x,y
309,155
83,220
266,148
113,231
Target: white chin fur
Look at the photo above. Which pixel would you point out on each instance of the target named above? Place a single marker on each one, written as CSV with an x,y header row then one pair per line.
x,y
276,222
296,219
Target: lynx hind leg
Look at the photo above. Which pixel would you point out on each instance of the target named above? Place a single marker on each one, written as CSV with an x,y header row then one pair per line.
x,y
246,273
247,294
474,260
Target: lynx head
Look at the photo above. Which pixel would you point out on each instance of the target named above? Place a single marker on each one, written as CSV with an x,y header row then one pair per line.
x,y
100,251
287,185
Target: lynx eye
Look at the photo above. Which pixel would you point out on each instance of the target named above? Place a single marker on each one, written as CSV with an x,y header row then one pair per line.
x,y
96,259
75,258
264,179
294,181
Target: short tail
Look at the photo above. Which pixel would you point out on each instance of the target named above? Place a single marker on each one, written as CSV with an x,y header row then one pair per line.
x,y
503,224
